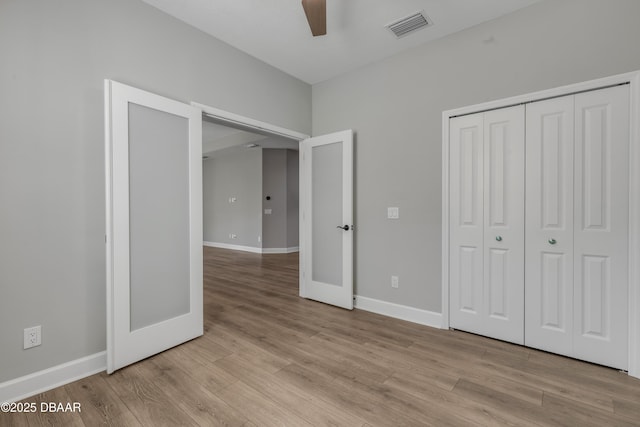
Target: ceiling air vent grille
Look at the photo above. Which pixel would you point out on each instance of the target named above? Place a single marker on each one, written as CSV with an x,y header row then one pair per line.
x,y
409,24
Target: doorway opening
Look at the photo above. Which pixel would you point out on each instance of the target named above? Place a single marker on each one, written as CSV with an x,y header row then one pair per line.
x,y
326,228
250,189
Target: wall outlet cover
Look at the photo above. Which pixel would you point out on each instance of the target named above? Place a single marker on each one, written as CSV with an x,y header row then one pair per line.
x,y
32,337
395,281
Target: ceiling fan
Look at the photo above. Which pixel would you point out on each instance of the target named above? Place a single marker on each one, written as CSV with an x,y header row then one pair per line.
x,y
316,11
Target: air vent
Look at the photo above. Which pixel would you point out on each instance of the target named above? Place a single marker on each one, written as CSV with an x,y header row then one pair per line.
x,y
409,24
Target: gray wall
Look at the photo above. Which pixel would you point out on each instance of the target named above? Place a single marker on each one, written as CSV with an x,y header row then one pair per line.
x,y
239,175
274,185
293,199
395,107
55,56
250,175
280,182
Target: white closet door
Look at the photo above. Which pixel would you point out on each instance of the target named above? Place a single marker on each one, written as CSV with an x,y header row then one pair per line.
x,y
487,230
467,224
601,226
504,224
549,225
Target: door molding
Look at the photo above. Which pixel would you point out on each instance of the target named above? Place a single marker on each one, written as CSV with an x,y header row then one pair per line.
x,y
236,120
633,79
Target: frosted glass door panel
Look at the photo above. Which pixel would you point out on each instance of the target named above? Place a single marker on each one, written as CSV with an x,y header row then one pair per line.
x,y
326,213
158,215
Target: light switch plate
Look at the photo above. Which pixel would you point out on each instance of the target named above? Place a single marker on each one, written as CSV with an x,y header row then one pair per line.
x,y
393,213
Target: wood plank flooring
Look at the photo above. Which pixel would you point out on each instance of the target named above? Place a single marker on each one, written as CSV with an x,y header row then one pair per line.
x,y
270,358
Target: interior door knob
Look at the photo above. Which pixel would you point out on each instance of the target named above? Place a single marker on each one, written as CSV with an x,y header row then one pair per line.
x,y
499,238
552,241
344,227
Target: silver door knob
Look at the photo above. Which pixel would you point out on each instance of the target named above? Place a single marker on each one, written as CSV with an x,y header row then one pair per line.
x,y
499,238
552,241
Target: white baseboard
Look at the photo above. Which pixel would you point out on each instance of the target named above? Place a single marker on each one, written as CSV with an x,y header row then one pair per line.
x,y
403,312
280,250
252,249
39,382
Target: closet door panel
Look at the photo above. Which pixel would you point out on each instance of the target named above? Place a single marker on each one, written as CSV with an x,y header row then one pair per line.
x,y
601,226
466,223
504,223
549,225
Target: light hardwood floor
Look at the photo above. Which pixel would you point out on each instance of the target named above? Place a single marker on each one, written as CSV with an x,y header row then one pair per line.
x,y
270,358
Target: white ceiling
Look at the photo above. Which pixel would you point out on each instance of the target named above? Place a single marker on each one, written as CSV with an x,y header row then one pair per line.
x,y
276,31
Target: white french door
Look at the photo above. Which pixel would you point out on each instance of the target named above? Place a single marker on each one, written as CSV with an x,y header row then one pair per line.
x,y
326,175
487,229
153,149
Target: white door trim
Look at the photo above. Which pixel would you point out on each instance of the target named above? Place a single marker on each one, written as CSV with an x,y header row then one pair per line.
x,y
633,79
234,119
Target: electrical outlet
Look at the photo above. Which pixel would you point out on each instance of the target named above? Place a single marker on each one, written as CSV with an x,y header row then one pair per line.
x,y
32,337
395,281
232,236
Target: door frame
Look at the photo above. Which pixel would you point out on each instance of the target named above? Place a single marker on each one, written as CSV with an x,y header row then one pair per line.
x,y
249,124
633,80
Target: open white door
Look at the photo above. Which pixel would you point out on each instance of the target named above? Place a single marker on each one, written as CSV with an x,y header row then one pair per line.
x,y
326,176
153,150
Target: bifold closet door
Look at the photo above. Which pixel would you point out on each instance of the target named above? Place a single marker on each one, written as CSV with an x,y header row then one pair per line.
x,y
549,225
577,226
601,227
487,223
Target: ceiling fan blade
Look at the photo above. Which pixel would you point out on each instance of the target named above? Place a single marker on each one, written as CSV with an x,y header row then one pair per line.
x,y
316,11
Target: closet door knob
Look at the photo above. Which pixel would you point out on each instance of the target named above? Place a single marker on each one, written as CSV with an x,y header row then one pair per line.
x,y
499,238
552,241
